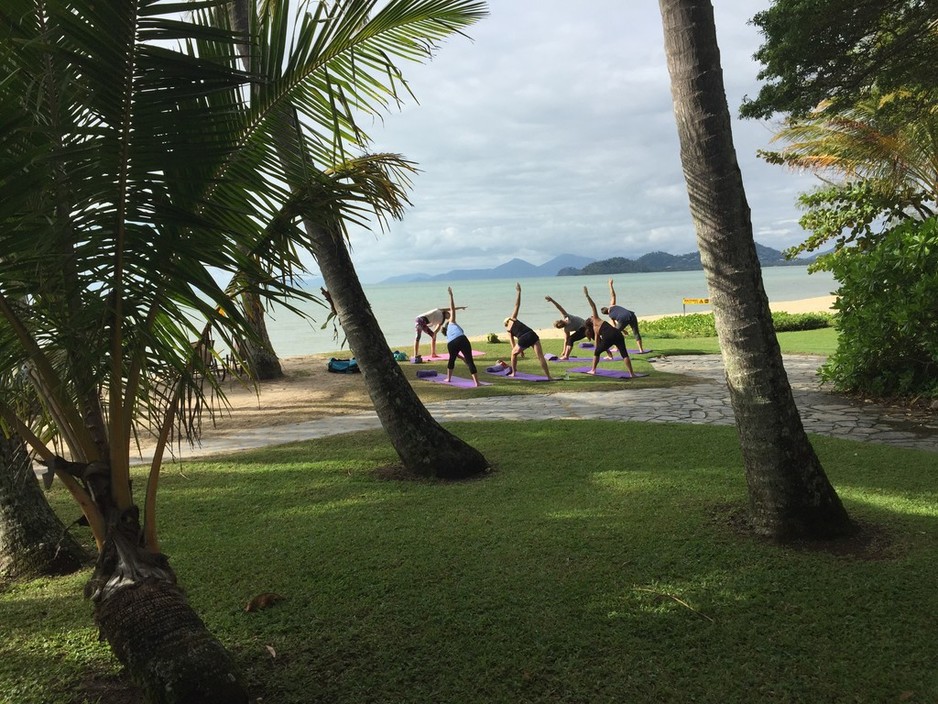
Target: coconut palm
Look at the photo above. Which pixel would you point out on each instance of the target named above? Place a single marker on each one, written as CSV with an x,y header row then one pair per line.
x,y
33,541
139,169
890,140
789,494
424,446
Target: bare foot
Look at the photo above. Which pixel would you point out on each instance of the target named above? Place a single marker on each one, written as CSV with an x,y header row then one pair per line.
x,y
593,371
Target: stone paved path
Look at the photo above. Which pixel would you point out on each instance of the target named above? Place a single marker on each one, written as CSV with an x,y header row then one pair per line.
x,y
706,401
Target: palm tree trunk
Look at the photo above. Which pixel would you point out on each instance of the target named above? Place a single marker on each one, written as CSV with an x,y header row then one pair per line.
x,y
789,494
33,541
424,446
259,357
155,634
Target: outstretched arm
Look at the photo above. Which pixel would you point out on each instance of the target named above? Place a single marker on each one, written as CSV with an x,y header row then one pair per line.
x,y
517,309
557,305
452,306
612,294
591,302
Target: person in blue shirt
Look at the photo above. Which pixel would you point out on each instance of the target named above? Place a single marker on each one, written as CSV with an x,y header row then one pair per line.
x,y
622,316
458,344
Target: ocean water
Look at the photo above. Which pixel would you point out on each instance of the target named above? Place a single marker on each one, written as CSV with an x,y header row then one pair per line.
x,y
491,301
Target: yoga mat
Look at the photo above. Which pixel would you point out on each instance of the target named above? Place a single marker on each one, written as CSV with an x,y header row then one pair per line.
x,y
587,346
522,376
426,373
612,373
444,357
455,381
584,359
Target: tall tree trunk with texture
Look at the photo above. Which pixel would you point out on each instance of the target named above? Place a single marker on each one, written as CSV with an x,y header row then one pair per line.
x,y
789,494
33,541
424,446
259,356
151,628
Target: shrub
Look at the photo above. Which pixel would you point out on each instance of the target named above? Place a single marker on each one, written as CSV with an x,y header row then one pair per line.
x,y
702,325
888,323
492,338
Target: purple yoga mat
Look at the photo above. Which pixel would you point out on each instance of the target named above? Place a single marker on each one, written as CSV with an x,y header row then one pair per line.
x,y
455,381
613,373
583,359
522,376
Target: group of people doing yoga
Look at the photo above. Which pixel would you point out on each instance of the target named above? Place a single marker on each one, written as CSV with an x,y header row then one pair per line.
x,y
603,334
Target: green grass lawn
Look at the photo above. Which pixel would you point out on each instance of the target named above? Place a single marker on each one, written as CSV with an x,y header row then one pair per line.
x,y
570,574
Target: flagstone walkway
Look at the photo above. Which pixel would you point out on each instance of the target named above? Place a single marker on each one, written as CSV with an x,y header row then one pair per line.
x,y
706,401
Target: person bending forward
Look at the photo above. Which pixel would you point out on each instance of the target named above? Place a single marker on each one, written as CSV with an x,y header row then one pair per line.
x,y
605,336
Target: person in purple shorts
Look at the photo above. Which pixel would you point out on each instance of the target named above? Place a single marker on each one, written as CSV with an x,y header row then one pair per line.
x,y
523,337
622,317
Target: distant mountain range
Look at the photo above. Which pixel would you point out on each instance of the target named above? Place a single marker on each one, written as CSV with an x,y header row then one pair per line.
x,y
514,269
574,265
662,261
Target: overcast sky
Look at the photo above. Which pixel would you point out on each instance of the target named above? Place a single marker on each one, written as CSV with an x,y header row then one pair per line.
x,y
551,130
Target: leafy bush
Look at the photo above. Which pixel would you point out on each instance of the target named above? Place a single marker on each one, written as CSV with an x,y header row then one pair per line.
x,y
702,325
888,323
794,322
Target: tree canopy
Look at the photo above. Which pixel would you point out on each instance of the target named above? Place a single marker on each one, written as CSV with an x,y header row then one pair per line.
x,y
816,50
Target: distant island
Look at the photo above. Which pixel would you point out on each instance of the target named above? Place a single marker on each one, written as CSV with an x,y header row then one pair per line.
x,y
574,265
662,261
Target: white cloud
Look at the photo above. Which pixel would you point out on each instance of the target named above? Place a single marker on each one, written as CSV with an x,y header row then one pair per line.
x,y
552,131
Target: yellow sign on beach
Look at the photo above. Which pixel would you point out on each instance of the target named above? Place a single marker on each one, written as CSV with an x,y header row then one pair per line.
x,y
697,301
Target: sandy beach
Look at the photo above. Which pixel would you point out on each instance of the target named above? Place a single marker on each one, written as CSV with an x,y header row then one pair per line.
x,y
307,391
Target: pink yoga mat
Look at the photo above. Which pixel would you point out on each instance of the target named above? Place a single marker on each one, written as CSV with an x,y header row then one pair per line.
x,y
612,373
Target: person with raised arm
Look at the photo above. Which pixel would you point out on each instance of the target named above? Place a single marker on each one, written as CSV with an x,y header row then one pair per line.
x,y
523,337
430,323
573,326
605,337
622,316
457,343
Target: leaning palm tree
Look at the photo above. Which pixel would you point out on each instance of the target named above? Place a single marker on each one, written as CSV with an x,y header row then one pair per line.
x,y
139,169
379,183
789,494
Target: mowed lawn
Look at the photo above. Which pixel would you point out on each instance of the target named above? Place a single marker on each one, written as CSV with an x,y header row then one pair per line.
x,y
598,562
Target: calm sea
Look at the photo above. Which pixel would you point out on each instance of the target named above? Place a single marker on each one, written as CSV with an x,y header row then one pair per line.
x,y
490,301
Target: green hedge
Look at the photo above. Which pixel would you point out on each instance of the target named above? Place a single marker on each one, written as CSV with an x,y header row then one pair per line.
x,y
702,325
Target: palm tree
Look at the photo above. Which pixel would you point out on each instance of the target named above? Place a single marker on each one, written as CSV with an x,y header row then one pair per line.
x,y
424,446
138,165
888,139
878,159
789,494
33,541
